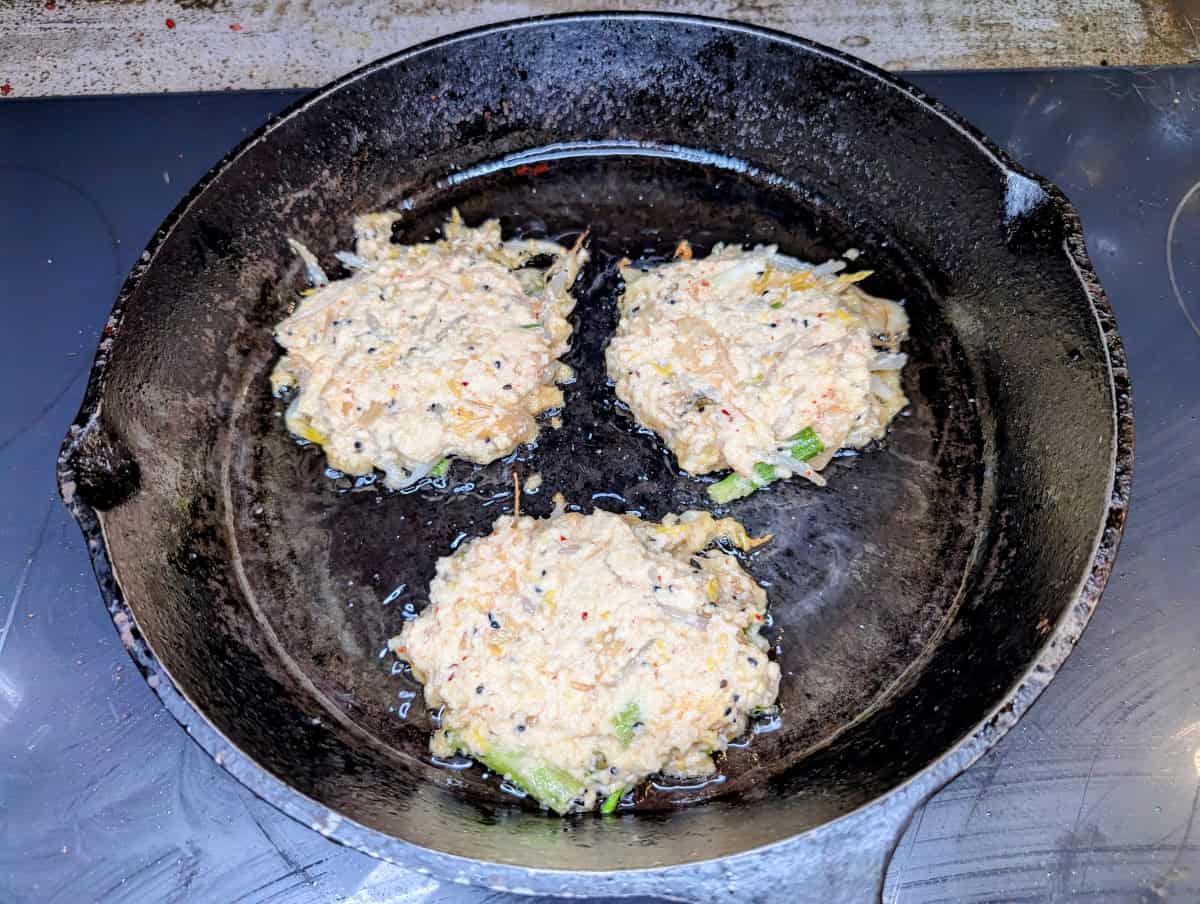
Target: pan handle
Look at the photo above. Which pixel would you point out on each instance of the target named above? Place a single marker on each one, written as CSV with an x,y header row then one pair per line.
x,y
96,467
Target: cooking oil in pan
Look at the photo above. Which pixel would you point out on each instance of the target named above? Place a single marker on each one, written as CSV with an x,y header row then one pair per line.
x,y
853,600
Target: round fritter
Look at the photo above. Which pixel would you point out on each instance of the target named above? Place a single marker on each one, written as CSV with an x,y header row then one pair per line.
x,y
444,349
578,654
732,357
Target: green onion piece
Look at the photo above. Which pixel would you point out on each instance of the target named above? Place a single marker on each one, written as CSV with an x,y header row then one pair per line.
x,y
776,305
625,720
441,468
805,445
610,802
735,486
763,473
531,326
549,784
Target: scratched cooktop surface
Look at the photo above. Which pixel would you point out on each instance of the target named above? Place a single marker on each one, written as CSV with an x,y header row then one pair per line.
x,y
1093,797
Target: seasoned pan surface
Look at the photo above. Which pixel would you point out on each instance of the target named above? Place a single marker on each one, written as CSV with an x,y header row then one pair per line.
x,y
854,602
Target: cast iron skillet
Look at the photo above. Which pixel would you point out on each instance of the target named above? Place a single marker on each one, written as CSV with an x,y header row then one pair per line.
x,y
921,601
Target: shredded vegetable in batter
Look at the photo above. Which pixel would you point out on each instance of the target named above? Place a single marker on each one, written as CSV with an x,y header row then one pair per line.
x,y
577,654
427,352
756,362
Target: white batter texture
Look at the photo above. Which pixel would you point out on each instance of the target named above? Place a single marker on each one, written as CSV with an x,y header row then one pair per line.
x,y
730,357
428,351
578,654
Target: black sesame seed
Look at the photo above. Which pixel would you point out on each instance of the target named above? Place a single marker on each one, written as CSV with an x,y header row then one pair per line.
x,y
507,387
357,445
492,621
371,350
737,697
479,689
520,728
752,660
612,770
724,682
496,364
728,710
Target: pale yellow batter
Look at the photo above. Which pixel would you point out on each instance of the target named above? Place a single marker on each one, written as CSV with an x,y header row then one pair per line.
x,y
430,351
578,654
732,358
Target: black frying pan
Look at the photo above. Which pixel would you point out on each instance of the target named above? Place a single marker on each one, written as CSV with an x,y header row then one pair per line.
x,y
921,601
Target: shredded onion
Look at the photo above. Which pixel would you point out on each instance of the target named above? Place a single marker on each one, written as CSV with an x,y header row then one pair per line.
x,y
316,275
785,465
746,269
415,475
683,616
889,361
880,387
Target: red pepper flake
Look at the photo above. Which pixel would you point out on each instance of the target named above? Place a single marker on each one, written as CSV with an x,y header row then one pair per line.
x,y
562,539
726,413
584,616
170,23
466,383
5,89
536,170
51,5
236,26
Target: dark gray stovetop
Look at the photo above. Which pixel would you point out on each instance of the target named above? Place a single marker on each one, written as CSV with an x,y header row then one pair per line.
x,y
102,796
